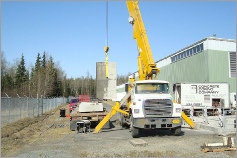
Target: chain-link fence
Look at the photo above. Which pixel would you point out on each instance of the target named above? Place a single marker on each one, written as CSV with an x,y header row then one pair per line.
x,y
13,109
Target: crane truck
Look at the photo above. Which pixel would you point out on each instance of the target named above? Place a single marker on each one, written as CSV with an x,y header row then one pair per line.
x,y
147,103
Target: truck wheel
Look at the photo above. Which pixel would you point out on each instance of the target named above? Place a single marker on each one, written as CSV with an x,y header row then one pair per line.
x,y
122,123
176,131
135,132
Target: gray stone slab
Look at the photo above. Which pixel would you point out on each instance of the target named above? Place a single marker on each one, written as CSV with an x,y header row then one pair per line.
x,y
138,142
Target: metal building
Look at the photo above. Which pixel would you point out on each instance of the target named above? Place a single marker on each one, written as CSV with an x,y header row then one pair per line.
x,y
208,60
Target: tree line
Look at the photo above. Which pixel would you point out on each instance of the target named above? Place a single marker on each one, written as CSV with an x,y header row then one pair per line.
x,y
44,78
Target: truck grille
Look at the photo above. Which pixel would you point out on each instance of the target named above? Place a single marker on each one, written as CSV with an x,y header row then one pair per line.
x,y
158,108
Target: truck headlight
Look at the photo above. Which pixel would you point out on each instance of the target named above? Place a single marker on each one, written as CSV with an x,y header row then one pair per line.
x,y
136,111
178,109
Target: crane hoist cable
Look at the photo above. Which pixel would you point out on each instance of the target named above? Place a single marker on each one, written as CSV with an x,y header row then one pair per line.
x,y
106,48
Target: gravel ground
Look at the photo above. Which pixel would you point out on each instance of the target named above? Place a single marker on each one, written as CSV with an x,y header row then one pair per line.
x,y
59,141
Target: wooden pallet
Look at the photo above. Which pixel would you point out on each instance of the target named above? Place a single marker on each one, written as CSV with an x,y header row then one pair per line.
x,y
217,149
227,145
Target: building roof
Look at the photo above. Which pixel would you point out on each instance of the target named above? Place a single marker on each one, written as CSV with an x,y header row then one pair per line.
x,y
198,42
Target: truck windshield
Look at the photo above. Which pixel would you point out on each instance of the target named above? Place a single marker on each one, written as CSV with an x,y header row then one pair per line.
x,y
143,88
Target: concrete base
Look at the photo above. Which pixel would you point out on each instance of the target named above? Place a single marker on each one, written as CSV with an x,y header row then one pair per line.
x,y
138,142
90,107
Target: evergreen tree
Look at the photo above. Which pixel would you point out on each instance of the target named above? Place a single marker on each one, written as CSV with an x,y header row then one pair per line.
x,y
44,60
38,63
3,65
51,78
21,73
43,74
33,83
67,90
7,83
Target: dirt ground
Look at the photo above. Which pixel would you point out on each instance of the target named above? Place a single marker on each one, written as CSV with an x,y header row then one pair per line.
x,y
29,130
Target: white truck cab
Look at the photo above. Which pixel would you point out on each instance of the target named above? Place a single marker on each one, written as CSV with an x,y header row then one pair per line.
x,y
152,107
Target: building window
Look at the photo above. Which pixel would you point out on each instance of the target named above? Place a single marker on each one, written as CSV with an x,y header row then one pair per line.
x,y
201,47
184,54
187,53
198,48
194,50
232,64
190,52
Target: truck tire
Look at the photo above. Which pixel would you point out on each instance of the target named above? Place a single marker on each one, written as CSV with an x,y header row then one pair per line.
x,y
122,122
176,131
135,131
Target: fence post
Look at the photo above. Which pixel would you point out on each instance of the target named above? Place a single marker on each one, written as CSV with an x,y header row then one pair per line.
x,y
205,115
220,117
51,102
42,109
33,109
224,120
55,105
19,104
191,112
9,108
27,105
38,104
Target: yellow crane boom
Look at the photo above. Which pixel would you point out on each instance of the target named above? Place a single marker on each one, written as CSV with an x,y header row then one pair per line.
x,y
146,65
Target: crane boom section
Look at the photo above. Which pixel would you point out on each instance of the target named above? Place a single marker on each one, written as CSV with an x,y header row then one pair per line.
x,y
146,65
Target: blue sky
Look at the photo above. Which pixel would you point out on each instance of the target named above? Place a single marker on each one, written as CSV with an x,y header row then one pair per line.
x,y
74,33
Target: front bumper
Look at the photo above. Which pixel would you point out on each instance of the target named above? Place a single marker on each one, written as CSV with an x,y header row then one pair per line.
x,y
154,123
